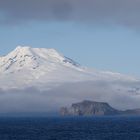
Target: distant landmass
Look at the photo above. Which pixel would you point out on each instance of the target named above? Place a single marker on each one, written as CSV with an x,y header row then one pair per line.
x,y
31,79
92,108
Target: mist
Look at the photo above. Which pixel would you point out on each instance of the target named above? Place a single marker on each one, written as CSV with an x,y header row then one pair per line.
x,y
32,100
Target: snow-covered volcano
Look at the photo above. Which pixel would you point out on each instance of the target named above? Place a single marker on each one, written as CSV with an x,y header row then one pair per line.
x,y
56,80
26,67
32,58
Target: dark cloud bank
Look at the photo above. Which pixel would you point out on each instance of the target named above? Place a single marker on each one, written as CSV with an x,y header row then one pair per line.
x,y
120,12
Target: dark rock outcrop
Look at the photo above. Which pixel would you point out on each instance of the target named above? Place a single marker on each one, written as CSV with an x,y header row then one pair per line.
x,y
89,108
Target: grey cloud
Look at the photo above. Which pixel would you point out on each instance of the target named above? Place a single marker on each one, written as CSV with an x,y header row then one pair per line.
x,y
120,12
32,100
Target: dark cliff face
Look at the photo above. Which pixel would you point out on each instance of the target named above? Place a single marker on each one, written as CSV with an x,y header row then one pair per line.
x,y
89,108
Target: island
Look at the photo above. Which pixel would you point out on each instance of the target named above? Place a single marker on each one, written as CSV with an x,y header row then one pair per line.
x,y
93,108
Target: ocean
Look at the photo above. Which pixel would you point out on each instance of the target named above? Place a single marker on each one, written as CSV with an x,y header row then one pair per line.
x,y
67,128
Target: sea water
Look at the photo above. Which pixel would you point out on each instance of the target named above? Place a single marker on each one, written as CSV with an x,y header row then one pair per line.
x,y
67,128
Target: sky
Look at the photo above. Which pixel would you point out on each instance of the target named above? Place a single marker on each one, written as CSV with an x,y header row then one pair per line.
x,y
100,34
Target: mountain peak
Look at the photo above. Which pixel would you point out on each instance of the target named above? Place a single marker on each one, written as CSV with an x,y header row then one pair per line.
x,y
19,50
28,48
32,58
22,47
42,52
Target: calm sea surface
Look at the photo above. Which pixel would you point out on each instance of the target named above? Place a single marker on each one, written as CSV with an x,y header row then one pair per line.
x,y
100,128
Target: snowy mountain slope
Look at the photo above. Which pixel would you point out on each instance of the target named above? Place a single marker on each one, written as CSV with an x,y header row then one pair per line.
x,y
26,66
32,58
39,79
